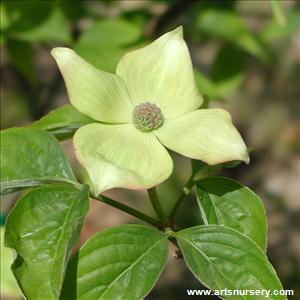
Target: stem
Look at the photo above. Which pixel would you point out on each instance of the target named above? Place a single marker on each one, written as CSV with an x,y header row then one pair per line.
x,y
129,210
185,191
152,193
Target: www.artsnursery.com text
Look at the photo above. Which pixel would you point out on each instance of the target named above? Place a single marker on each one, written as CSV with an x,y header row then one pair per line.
x,y
227,292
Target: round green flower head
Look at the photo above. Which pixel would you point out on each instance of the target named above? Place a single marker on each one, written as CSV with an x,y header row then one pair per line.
x,y
152,103
147,117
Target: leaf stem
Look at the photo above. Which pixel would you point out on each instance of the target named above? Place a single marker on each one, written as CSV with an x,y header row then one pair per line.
x,y
185,191
129,210
152,193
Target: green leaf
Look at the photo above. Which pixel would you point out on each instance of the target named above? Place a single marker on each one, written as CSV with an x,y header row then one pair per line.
x,y
224,201
227,73
105,42
73,12
24,16
255,46
111,32
206,86
229,26
273,30
118,263
36,21
222,258
42,229
4,19
278,12
63,122
228,70
21,56
31,157
54,29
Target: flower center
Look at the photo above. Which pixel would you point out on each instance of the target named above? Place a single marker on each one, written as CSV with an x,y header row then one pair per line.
x,y
147,117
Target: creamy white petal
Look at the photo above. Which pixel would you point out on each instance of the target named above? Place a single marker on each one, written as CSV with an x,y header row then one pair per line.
x,y
205,134
100,95
121,156
162,73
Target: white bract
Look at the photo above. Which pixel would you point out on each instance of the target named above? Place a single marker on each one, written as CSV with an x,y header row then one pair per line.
x,y
152,102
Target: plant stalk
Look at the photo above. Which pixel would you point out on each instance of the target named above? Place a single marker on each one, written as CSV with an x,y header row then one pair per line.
x,y
129,210
152,193
185,191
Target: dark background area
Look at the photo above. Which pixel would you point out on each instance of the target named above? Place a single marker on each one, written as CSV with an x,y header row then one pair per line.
x,y
246,56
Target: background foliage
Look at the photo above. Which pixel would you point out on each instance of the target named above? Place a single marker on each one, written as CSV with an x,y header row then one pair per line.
x,y
246,59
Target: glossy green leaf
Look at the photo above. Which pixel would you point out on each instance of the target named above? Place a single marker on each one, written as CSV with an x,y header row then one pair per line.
x,y
226,202
63,122
222,258
42,229
229,26
31,157
105,42
118,263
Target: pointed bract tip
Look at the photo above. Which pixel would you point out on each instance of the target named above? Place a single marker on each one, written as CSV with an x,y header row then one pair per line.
x,y
60,52
177,32
246,158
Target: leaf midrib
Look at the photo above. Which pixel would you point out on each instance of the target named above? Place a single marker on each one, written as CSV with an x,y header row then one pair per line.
x,y
214,208
35,181
210,261
131,266
58,246
245,191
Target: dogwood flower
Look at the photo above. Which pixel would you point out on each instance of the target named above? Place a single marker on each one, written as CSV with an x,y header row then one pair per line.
x,y
152,102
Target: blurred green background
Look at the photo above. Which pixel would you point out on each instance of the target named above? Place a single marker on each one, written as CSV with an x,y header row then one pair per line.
x,y
246,56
